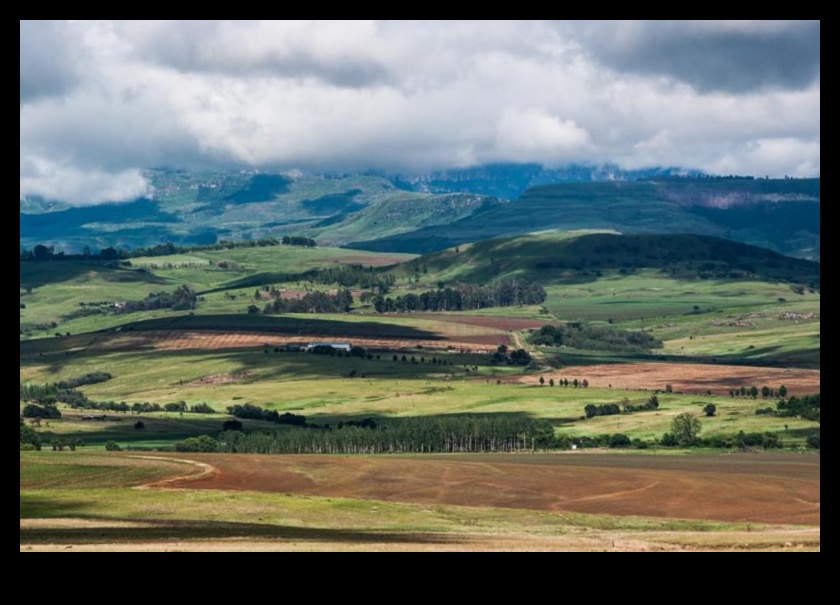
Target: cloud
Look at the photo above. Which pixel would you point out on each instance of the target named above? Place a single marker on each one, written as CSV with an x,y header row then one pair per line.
x,y
116,97
62,181
733,56
51,61
533,135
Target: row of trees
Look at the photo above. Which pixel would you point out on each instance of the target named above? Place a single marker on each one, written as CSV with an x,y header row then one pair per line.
x,y
441,434
354,275
465,297
49,253
595,338
183,298
753,392
254,412
311,302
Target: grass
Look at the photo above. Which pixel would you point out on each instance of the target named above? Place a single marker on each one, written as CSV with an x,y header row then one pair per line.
x,y
321,389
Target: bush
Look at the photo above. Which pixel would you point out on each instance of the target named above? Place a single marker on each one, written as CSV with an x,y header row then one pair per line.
x,y
204,444
29,439
814,441
710,409
139,425
112,446
38,411
620,440
232,425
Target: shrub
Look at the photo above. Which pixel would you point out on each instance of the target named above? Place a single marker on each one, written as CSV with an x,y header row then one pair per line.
x,y
112,446
620,440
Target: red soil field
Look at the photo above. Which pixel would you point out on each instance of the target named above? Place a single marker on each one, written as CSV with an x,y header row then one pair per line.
x,y
496,323
749,488
169,340
688,378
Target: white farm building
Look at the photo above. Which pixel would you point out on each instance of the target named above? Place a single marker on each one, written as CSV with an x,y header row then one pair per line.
x,y
340,346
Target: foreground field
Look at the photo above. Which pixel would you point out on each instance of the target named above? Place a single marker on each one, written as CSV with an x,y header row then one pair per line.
x,y
562,503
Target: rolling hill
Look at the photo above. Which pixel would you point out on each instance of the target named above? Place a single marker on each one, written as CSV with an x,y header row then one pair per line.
x,y
572,258
782,215
435,212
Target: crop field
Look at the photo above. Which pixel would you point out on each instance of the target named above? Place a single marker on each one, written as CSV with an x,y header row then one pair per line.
x,y
696,379
717,335
569,502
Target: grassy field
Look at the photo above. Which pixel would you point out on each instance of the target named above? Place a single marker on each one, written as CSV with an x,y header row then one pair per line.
x,y
717,334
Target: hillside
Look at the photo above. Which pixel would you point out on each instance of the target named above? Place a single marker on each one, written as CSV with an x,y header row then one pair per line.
x,y
782,215
573,258
197,208
432,212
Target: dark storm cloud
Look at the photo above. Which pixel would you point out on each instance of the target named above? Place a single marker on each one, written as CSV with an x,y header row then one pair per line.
x,y
332,51
733,56
50,63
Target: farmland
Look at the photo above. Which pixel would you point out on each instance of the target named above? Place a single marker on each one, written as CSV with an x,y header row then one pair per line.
x,y
720,338
528,503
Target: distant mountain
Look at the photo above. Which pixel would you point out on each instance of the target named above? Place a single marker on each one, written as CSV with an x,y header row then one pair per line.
x,y
436,211
509,181
779,214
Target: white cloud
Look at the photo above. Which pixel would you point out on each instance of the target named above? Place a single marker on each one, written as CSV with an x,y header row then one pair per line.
x,y
116,97
533,135
62,181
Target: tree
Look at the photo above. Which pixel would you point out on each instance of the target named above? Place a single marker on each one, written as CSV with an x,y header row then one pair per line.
x,y
542,380
710,409
232,425
783,391
29,439
139,425
685,428
620,440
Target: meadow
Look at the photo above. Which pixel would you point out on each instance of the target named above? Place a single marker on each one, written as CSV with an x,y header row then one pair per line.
x,y
718,334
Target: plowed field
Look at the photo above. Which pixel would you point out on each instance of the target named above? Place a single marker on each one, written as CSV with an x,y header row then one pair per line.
x,y
753,488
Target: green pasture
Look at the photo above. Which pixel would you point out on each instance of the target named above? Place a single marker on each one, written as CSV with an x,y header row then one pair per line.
x,y
329,390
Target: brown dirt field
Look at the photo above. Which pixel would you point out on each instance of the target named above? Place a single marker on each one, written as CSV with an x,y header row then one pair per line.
x,y
178,340
689,378
750,488
496,323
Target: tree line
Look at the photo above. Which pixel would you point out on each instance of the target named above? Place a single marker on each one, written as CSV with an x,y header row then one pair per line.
x,y
595,338
183,298
399,435
465,297
48,253
311,302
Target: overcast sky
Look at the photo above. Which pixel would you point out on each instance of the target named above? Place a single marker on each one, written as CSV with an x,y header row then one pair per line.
x,y
101,100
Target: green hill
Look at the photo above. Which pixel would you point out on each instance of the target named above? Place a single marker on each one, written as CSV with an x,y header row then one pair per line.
x,y
782,215
572,258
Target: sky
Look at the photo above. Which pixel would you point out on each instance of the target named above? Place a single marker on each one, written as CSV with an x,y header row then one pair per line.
x,y
100,101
